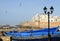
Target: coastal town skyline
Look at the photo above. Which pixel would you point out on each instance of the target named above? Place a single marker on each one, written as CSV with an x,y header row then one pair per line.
x,y
16,11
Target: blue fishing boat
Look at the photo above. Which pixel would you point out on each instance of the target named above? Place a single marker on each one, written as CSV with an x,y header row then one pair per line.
x,y
33,35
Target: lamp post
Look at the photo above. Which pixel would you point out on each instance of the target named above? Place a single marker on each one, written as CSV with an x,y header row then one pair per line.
x,y
48,13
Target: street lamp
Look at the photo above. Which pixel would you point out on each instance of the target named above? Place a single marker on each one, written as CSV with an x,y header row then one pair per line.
x,y
48,13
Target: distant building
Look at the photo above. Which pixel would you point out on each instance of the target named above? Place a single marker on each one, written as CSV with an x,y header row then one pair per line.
x,y
44,18
41,21
5,26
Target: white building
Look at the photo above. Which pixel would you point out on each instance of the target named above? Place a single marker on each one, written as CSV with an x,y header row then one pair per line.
x,y
44,18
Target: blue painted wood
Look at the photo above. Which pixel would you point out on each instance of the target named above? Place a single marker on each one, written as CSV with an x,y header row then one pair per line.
x,y
41,32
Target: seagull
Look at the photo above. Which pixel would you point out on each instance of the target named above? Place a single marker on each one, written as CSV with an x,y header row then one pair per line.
x,y
20,4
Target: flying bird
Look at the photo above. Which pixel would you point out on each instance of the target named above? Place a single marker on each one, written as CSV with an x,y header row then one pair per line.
x,y
6,11
20,4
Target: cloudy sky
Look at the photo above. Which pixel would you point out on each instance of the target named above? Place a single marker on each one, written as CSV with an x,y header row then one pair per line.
x,y
16,11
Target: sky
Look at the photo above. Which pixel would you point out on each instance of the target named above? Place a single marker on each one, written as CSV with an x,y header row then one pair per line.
x,y
13,12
